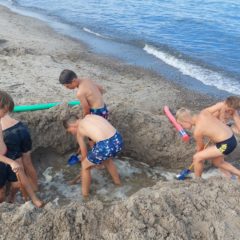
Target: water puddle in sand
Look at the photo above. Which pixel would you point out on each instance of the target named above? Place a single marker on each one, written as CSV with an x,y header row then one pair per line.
x,y
134,176
54,174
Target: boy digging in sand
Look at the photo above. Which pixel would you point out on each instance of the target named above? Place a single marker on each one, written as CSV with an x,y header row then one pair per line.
x,y
108,142
209,126
8,167
89,93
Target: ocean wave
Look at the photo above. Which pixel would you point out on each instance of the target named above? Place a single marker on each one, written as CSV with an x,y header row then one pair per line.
x,y
94,33
206,76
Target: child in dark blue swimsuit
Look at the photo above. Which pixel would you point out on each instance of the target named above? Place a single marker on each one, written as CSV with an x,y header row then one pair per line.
x,y
10,168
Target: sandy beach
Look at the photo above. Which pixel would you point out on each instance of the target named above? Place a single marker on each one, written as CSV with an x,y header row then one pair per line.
x,y
32,55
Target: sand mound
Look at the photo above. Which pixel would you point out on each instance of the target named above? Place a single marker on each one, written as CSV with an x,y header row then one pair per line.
x,y
186,210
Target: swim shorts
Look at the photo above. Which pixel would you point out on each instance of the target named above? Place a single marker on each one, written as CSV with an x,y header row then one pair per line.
x,y
18,140
103,112
105,149
6,174
227,146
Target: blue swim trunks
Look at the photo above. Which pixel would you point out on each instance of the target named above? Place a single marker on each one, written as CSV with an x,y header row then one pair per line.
x,y
103,112
105,149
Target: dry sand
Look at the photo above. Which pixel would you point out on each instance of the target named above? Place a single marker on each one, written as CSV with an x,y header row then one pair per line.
x,y
31,58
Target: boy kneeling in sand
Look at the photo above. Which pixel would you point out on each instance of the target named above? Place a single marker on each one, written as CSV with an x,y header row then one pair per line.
x,y
108,142
206,125
227,110
8,167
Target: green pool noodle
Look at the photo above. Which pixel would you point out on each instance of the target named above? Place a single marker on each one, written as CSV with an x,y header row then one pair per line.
x,y
41,106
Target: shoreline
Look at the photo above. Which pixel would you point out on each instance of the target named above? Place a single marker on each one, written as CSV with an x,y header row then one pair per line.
x,y
44,53
110,49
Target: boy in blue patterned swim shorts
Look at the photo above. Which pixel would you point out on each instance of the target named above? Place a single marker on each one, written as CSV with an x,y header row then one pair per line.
x,y
108,142
206,125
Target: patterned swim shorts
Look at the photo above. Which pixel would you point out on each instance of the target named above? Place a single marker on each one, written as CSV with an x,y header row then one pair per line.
x,y
105,149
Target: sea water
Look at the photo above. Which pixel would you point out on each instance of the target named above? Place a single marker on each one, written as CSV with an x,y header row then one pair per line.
x,y
194,43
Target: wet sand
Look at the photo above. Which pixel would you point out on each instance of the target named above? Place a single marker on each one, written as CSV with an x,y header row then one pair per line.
x,y
32,56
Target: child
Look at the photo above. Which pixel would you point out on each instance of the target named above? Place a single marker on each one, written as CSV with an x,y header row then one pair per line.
x,y
89,93
206,125
228,110
8,167
108,142
19,144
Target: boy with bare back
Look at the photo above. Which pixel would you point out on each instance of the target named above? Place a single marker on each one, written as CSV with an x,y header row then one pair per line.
x,y
227,110
206,125
89,93
12,170
108,142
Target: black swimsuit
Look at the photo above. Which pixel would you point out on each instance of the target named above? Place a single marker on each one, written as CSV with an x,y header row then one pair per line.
x,y
18,141
227,146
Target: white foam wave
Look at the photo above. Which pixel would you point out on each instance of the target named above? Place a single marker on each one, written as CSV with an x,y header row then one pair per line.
x,y
94,33
204,75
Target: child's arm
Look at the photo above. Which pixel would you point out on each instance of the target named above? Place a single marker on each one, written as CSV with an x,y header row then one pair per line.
x,y
84,103
14,165
3,147
199,141
82,145
216,109
236,119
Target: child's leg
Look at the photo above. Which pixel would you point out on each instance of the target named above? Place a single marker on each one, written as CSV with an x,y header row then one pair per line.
x,y
75,180
25,183
111,167
30,170
86,176
2,194
200,157
219,162
14,188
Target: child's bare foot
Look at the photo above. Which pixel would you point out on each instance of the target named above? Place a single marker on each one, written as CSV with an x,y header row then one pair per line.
x,y
38,203
86,198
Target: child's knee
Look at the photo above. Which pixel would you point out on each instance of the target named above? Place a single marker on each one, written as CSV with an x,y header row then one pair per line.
x,y
196,158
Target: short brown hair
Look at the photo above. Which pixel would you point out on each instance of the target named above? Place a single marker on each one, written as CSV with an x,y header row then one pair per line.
x,y
6,101
70,119
67,76
233,102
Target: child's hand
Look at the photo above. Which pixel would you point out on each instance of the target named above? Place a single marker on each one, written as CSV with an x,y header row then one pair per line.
x,y
15,166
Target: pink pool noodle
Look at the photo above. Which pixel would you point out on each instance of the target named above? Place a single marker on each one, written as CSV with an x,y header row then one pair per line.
x,y
179,128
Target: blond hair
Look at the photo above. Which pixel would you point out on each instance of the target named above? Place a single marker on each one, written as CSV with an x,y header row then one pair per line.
x,y
233,102
182,113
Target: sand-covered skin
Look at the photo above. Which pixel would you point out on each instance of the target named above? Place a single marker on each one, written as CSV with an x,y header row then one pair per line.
x,y
31,58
